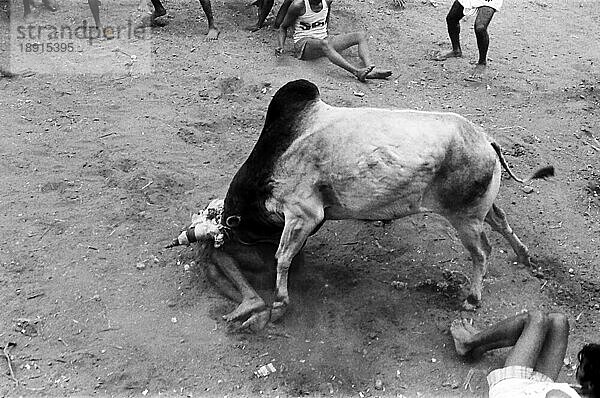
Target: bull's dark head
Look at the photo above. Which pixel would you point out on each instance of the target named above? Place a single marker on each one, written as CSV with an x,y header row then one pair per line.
x,y
244,210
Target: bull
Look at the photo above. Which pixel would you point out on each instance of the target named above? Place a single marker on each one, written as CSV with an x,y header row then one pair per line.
x,y
315,162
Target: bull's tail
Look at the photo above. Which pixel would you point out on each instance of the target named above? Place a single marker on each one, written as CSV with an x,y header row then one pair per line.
x,y
544,172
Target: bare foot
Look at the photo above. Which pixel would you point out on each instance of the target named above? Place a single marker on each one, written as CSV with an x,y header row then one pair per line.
x,y
440,56
361,74
246,307
477,73
213,34
462,332
379,74
258,320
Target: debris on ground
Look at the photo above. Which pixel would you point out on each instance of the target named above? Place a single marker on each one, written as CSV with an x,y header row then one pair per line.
x,y
26,326
265,370
399,285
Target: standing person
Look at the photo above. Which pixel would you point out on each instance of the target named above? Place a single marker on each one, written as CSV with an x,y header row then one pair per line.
x,y
213,32
264,8
310,19
539,344
485,10
27,4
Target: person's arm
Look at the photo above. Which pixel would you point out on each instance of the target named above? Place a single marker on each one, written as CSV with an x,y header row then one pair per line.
x,y
328,13
281,13
293,12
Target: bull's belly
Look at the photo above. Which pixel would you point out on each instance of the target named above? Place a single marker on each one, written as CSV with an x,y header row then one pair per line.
x,y
377,203
391,212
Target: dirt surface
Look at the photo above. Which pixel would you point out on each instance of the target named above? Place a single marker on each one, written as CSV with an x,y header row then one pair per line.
x,y
99,172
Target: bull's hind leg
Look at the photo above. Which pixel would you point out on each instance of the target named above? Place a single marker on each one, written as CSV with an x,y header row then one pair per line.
x,y
472,236
300,221
496,218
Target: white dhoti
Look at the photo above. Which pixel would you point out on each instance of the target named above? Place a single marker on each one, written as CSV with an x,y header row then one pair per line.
x,y
471,6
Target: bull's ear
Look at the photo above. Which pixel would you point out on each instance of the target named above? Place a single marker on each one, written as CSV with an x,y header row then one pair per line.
x,y
233,221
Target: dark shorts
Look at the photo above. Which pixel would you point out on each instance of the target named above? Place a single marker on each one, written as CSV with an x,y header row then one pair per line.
x,y
299,47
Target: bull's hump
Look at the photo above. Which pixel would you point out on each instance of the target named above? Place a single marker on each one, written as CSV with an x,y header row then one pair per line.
x,y
290,101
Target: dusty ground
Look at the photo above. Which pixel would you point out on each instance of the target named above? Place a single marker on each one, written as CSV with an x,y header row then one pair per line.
x,y
99,172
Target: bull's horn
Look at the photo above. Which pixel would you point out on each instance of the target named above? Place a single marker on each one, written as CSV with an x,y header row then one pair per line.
x,y
185,238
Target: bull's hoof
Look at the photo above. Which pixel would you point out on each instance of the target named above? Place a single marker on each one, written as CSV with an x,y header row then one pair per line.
x,y
471,303
278,310
525,260
258,320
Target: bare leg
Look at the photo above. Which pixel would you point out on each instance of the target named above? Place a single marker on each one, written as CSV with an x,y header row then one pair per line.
x,y
95,9
213,32
526,332
316,48
264,8
26,8
225,287
49,5
484,17
470,341
453,18
526,350
251,301
539,341
496,218
553,351
342,42
159,10
281,13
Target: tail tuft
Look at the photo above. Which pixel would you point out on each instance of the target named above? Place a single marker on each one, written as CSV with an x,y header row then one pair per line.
x,y
544,172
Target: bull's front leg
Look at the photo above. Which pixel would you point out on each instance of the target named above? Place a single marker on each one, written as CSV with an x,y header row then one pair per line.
x,y
300,221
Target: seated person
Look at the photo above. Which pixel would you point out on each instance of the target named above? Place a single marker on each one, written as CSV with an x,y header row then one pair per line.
x,y
539,344
310,19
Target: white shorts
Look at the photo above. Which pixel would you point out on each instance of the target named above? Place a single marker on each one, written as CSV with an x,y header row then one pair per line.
x,y
471,6
523,382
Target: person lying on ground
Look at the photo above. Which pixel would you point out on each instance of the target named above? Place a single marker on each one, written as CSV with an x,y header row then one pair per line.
x,y
539,342
235,264
310,19
236,268
485,10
